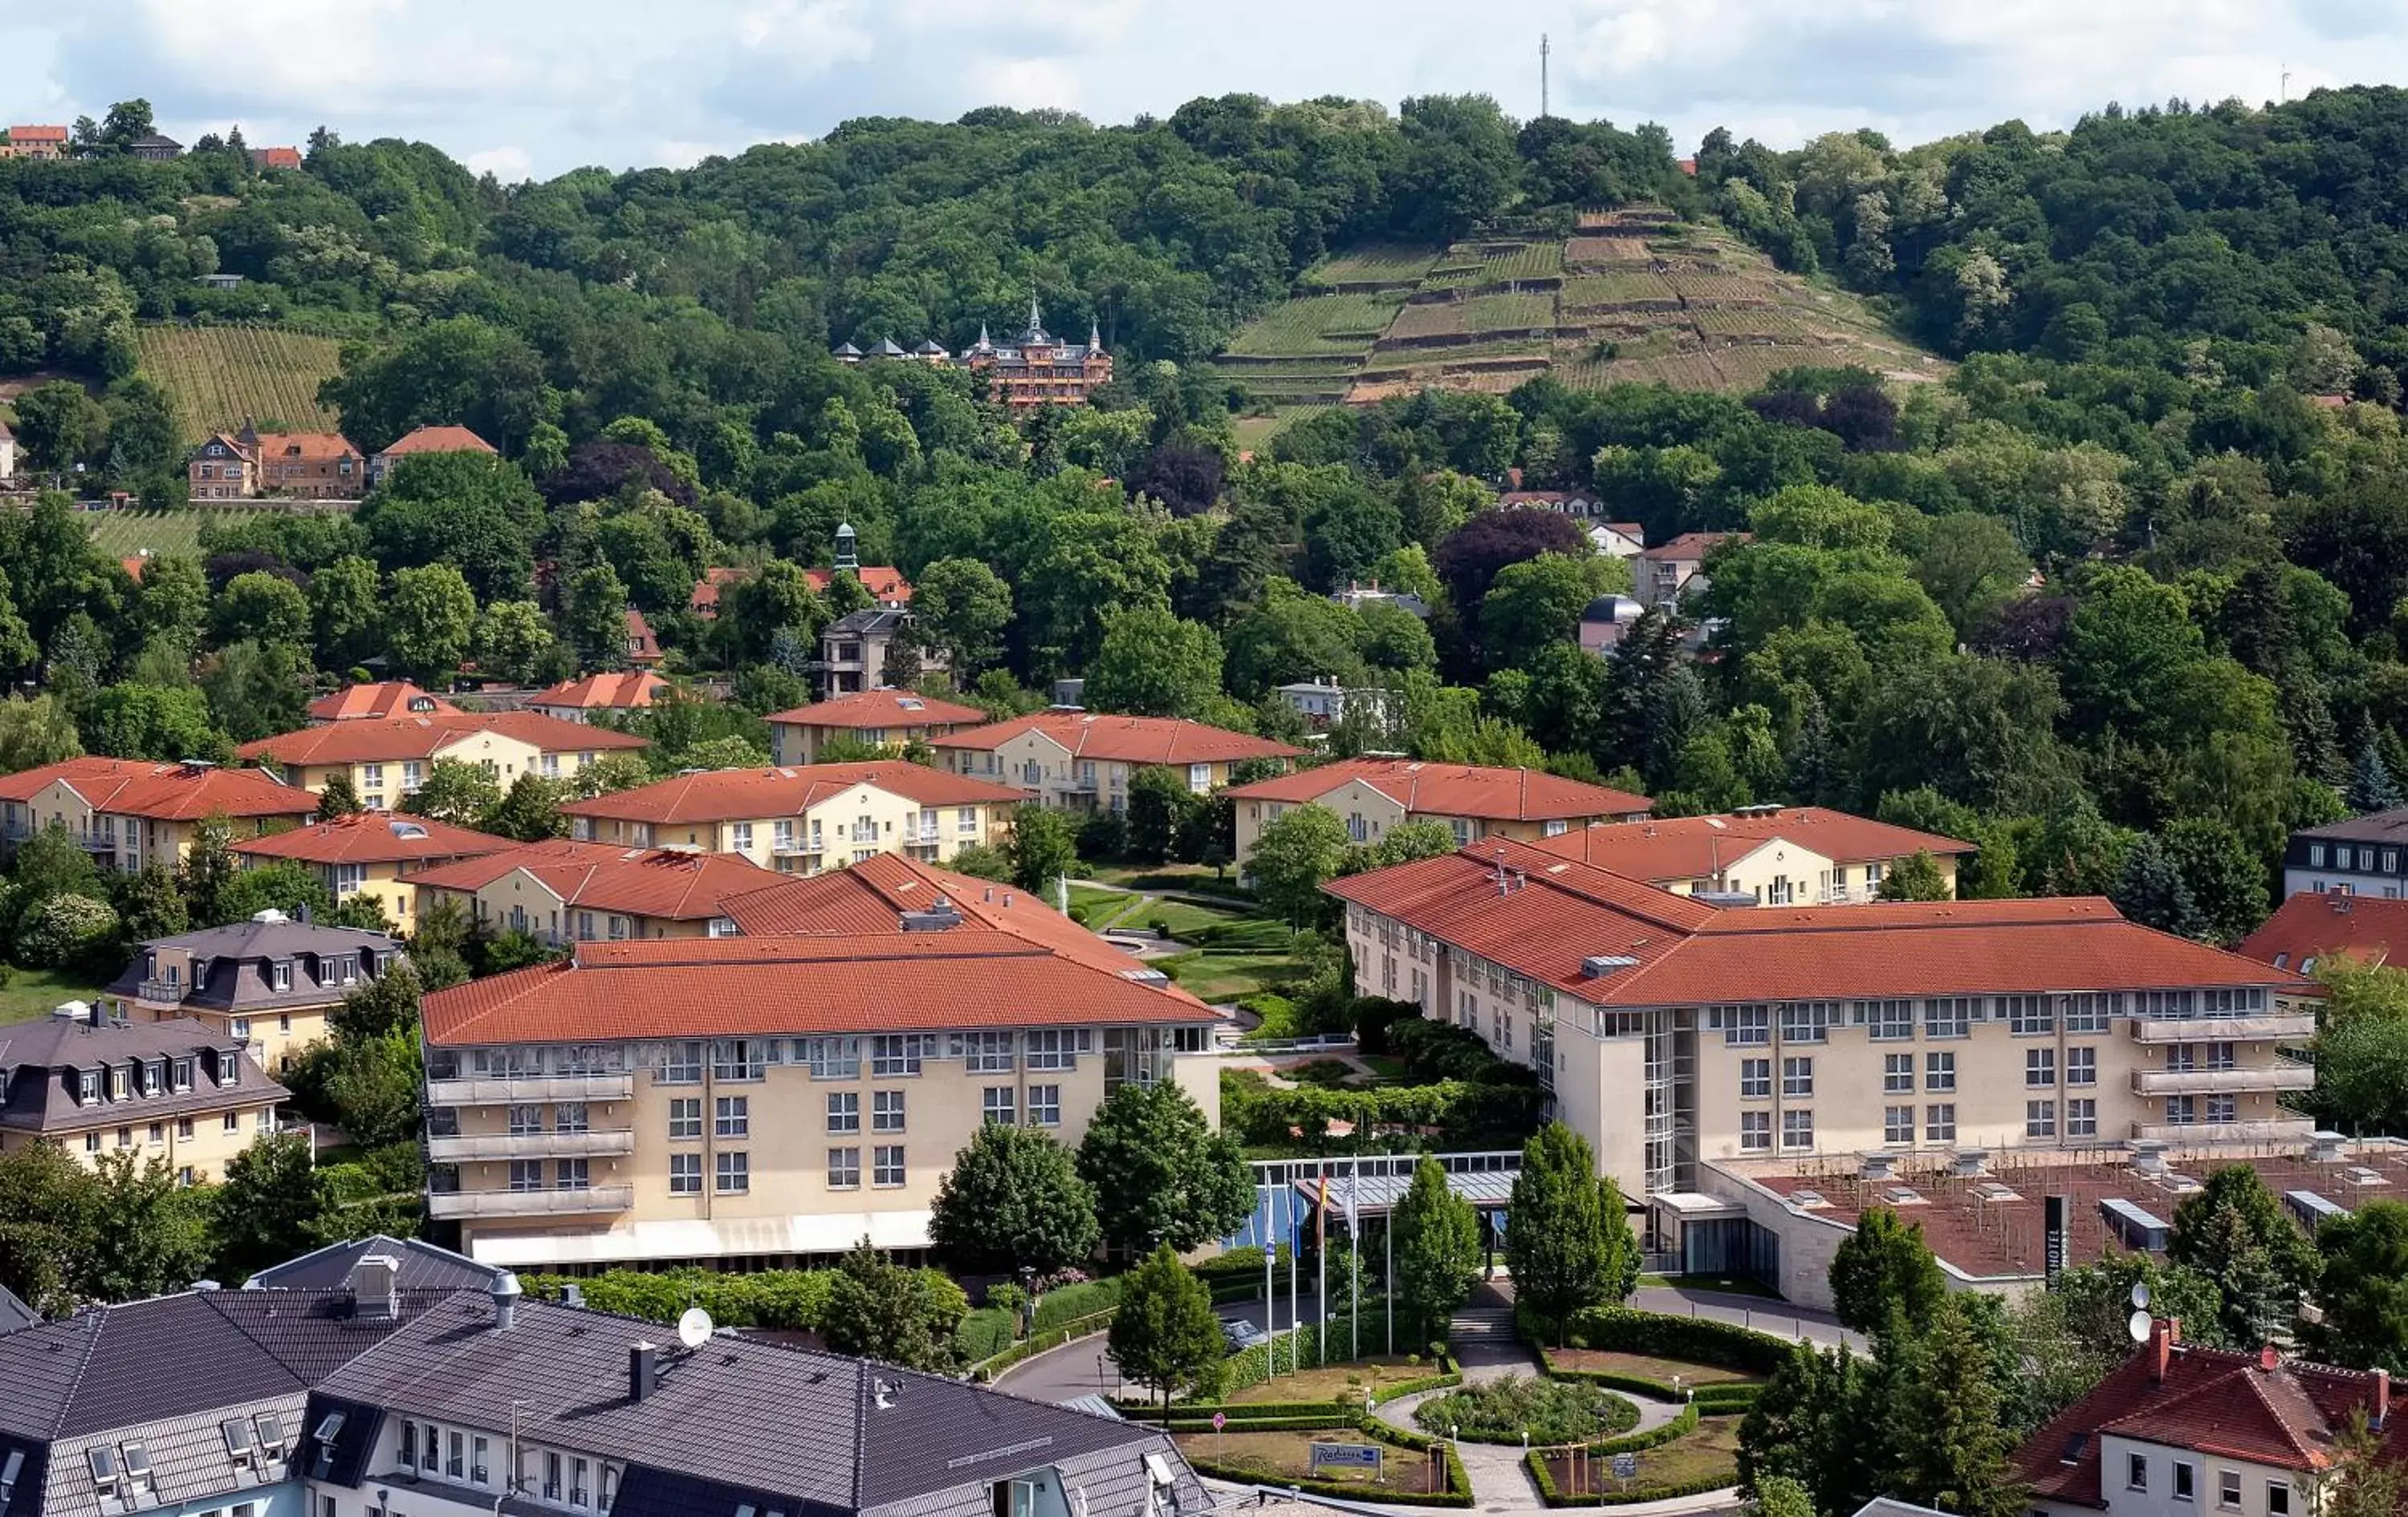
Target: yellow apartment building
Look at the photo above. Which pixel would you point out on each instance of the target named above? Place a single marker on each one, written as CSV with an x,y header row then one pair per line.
x,y
1776,855
1083,760
388,760
879,717
266,985
803,819
130,812
175,1089
564,891
374,853
1375,795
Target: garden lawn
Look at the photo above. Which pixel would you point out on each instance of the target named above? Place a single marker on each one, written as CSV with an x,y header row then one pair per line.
x,y
34,993
1327,1382
1226,977
1101,905
1710,1453
1648,1366
1170,877
1184,918
1529,1407
1278,1457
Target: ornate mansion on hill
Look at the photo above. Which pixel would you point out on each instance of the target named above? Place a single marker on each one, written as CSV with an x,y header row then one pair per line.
x,y
1035,368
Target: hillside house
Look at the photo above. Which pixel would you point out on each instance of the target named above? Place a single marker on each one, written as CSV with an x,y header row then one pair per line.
x,y
425,439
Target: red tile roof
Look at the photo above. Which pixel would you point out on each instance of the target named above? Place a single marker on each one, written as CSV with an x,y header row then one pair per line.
x,y
133,567
1454,790
1542,497
884,583
384,699
164,791
869,709
1691,545
2309,926
375,838
276,157
1552,913
395,738
303,447
603,692
643,646
436,439
1698,847
704,601
667,883
37,134
740,795
1123,739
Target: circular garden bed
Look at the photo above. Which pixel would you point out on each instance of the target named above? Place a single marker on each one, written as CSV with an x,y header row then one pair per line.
x,y
1549,1410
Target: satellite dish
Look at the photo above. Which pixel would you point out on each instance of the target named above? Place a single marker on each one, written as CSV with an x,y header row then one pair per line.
x,y
2138,1328
2139,1295
693,1329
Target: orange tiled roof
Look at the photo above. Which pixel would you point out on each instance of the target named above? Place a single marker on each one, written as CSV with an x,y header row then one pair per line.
x,y
375,838
395,738
740,795
375,702
164,791
604,691
37,134
304,447
704,601
962,977
276,157
881,708
884,583
1690,848
1453,790
1692,545
2308,926
643,646
1125,739
1550,914
668,884
437,439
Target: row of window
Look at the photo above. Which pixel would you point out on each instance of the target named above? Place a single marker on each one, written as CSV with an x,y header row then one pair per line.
x,y
230,1122
1898,1122
2185,1484
1939,1072
889,1054
2344,858
1953,1016
464,1457
2201,1110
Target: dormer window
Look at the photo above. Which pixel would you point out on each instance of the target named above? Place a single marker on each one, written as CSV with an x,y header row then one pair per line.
x,y
154,1076
240,1448
102,1460
273,1441
183,1080
87,1086
280,975
121,1083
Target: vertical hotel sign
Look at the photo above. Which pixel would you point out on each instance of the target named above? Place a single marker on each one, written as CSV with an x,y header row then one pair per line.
x,y
2053,1222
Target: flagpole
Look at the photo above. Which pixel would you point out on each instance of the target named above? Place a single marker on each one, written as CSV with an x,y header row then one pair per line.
x,y
1295,1247
1271,1251
1320,1262
1355,1263
1388,1263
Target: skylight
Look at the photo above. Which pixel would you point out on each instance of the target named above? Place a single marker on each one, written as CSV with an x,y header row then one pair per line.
x,y
239,1443
103,1461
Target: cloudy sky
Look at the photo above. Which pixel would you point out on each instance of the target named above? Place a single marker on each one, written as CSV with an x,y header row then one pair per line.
x,y
535,87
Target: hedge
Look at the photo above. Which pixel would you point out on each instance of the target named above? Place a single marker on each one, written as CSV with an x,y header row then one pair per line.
x,y
984,1333
1240,1411
1698,1339
1684,1421
1715,1398
1457,1493
1038,1343
1259,1112
1066,1303
1252,1367
1548,1492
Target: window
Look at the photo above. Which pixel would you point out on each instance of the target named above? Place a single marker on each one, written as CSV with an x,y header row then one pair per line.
x,y
2088,1013
1797,1076
1199,778
886,1111
551,1477
1798,1130
136,1463
984,1053
87,1087
1045,1105
183,1127
685,1118
578,1493
1754,1079
738,1058
477,1469
2223,1110
734,1176
739,838
886,1165
2039,1067
1898,1073
231,1122
573,1174
1947,1016
280,974
2027,1016
1057,1048
2315,855
732,1116
526,1174
2040,1119
2136,1472
2082,1066
995,1104
1940,1122
1898,1124
2181,1111
455,1457
680,1065
2278,1498
844,1169
2228,1488
2186,1481
1755,1132
1940,1072
609,1488
2082,1119
831,1058
409,1441
1887,1021
183,1073
685,1174
525,1121
897,1053
1743,1026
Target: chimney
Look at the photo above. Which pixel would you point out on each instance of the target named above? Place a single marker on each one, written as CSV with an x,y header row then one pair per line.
x,y
572,1293
643,1370
98,1016
2382,1397
2268,1360
505,1294
372,1283
2166,1333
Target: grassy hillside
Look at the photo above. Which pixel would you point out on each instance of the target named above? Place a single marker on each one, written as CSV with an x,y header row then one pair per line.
x,y
218,375
1635,295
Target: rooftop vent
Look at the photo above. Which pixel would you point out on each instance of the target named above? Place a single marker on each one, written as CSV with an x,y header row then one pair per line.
x,y
2176,1184
1968,1163
407,830
1726,899
1877,1166
1599,965
505,1294
2149,1157
1904,1195
2325,1147
937,917
643,1370
2360,1175
270,915
1807,1201
1991,1190
372,1285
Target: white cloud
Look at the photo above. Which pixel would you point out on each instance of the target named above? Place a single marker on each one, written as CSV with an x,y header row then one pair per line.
x,y
508,165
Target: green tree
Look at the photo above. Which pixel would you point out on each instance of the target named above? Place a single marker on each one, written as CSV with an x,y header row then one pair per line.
x,y
1164,1333
1777,1496
1423,837
2371,787
1971,567
34,731
380,1007
339,797
154,1234
267,1207
281,886
1438,1252
1946,1421
1013,1202
347,611
430,616
1883,1267
594,617
1294,856
1537,604
56,424
149,906
1159,808
373,1087
257,690
2234,1231
1043,847
261,607
878,1309
49,1211
1152,663
151,721
2362,1290
960,607
2149,888
457,792
1160,1173
530,811
1568,1240
514,641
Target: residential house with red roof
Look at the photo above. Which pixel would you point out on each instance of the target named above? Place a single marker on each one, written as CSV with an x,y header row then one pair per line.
x,y
45,142
425,439
704,601
1664,573
804,819
885,583
379,702
878,717
643,646
387,759
373,854
306,465
276,160
1675,1034
776,1096
130,812
577,700
1376,796
2305,928
1084,760
1777,855
564,890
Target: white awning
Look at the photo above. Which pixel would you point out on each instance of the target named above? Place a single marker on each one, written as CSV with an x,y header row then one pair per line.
x,y
733,1238
1695,1206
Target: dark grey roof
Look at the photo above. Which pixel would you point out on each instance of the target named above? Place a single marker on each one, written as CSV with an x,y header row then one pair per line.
x,y
870,620
2374,827
846,349
888,349
14,1312
41,1063
802,1428
282,937
237,959
423,1266
929,347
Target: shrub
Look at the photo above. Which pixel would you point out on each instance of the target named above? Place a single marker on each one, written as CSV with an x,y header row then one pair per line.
x,y
1548,1410
984,1333
1074,1301
66,931
1697,1339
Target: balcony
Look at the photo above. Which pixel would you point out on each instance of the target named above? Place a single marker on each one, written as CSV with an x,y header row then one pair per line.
x,y
2264,1077
162,992
2280,1028
789,847
501,1090
2287,1129
480,1204
458,1148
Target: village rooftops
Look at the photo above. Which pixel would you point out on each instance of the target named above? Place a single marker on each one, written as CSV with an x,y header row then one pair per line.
x,y
1123,739
434,439
1690,545
183,791
884,583
670,884
2308,926
1683,848
2374,827
373,837
381,701
233,967
1453,790
737,794
422,736
881,710
626,691
423,1266
41,1061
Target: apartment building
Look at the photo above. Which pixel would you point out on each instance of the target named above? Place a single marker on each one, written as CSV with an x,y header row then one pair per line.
x,y
562,891
2360,856
306,465
578,700
857,647
879,717
425,439
377,854
805,819
776,1098
130,812
266,984
176,1090
1375,795
1084,760
388,760
1670,572
1672,1033
382,701
374,1399
1775,855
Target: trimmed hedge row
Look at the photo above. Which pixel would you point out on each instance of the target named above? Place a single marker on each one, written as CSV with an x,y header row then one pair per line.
x,y
1239,1411
1714,1398
1548,1492
1069,1303
1685,1421
1458,1482
1252,1367
1038,1343
1700,1340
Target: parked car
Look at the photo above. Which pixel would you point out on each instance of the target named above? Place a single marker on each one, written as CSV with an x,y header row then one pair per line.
x,y
1242,1334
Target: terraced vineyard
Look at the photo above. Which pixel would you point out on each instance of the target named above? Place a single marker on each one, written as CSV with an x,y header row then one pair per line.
x,y
130,534
216,376
1635,296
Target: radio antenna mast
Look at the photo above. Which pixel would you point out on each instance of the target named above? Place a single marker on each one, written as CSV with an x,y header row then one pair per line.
x,y
1542,76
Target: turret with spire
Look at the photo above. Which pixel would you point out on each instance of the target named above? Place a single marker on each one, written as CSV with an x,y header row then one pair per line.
x,y
1036,332
1094,338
